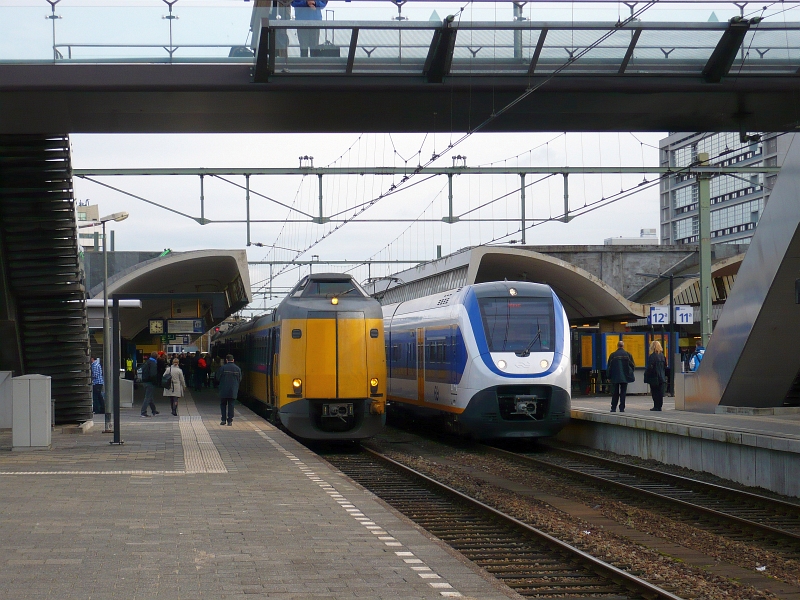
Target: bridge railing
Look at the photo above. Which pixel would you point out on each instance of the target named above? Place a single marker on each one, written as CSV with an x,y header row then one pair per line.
x,y
488,38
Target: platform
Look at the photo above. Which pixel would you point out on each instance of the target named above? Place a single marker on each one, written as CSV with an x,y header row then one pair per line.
x,y
754,450
187,508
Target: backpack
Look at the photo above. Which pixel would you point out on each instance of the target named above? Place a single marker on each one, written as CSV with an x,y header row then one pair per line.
x,y
696,359
166,380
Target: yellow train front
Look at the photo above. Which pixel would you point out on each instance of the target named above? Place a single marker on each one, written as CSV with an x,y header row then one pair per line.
x,y
318,363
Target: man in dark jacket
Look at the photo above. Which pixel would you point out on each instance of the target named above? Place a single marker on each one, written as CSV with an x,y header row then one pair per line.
x,y
229,376
620,373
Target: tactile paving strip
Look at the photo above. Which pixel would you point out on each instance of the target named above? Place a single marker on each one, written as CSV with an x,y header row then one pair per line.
x,y
199,453
415,564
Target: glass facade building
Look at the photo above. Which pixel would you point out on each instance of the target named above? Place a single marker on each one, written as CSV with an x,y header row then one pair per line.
x,y
737,201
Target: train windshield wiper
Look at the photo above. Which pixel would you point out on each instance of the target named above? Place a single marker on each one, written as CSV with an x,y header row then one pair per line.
x,y
538,336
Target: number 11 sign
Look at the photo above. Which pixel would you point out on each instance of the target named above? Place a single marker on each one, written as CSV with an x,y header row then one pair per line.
x,y
684,314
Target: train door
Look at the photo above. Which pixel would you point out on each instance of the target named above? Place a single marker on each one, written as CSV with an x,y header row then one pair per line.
x,y
351,347
452,366
421,365
320,355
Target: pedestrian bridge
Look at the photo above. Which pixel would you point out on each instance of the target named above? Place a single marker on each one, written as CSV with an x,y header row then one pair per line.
x,y
130,69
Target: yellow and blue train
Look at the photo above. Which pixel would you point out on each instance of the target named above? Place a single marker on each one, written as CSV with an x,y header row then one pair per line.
x,y
317,363
488,361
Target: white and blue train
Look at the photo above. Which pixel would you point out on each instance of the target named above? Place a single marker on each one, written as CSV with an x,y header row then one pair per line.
x,y
489,360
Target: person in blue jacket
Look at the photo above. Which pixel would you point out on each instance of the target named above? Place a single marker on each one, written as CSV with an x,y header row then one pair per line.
x,y
308,10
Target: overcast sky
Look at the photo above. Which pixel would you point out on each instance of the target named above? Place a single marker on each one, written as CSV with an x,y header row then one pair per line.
x,y
25,33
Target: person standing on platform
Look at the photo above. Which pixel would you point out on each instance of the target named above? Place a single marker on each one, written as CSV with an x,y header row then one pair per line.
x,y
655,374
308,10
150,380
229,377
177,385
162,362
98,402
199,371
620,374
696,357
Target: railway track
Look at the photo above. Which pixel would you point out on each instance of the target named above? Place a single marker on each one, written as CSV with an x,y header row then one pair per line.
x,y
531,562
732,513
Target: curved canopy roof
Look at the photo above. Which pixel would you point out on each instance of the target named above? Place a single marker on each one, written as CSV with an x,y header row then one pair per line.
x,y
201,271
583,295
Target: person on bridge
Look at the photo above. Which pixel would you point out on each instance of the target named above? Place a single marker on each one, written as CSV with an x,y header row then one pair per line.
x,y
620,374
308,10
98,403
150,380
655,374
229,376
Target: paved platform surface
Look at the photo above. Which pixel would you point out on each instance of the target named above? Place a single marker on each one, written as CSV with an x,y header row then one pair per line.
x,y
187,508
786,426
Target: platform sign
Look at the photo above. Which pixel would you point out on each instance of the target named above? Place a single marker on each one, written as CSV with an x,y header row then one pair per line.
x,y
684,314
659,315
181,326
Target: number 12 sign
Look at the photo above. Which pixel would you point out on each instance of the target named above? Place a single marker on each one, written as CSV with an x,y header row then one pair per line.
x,y
659,315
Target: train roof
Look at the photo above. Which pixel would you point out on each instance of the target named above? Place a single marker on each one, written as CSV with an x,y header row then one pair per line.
x,y
481,290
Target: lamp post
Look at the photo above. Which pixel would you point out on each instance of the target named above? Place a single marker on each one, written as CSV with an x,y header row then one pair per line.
x,y
107,371
109,376
671,278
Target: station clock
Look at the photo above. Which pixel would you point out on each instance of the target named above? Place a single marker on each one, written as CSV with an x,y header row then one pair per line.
x,y
156,326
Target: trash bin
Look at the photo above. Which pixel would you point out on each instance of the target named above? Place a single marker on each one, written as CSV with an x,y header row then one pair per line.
x,y
31,413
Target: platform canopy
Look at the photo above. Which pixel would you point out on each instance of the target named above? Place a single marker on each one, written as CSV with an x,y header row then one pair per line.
x,y
210,272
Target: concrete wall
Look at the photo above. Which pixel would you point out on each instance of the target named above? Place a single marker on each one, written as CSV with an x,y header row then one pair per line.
x,y
755,460
117,262
618,265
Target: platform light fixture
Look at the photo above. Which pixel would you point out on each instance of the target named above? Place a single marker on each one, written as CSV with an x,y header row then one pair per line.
x,y
107,374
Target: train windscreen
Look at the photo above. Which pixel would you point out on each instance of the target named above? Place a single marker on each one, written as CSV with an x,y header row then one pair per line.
x,y
327,289
518,324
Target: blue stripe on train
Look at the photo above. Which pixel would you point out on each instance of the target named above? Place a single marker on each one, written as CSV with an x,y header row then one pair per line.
x,y
444,348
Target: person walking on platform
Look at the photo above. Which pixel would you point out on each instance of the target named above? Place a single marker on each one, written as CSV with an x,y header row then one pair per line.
x,y
655,374
229,376
98,403
620,374
177,385
150,380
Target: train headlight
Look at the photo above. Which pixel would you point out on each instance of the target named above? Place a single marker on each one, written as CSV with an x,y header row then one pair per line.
x,y
297,385
501,364
334,301
512,291
544,363
373,385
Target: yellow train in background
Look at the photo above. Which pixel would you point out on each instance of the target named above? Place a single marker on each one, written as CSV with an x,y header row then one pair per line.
x,y
318,363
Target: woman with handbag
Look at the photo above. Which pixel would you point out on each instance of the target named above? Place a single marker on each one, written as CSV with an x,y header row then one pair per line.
x,y
655,374
177,385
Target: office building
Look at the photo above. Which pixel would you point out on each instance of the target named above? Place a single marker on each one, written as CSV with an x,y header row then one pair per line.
x,y
737,201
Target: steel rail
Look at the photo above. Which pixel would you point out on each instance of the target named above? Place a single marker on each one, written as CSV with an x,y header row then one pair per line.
x,y
618,576
774,531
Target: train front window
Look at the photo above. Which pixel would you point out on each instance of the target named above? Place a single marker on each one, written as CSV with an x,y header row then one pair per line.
x,y
518,324
328,289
